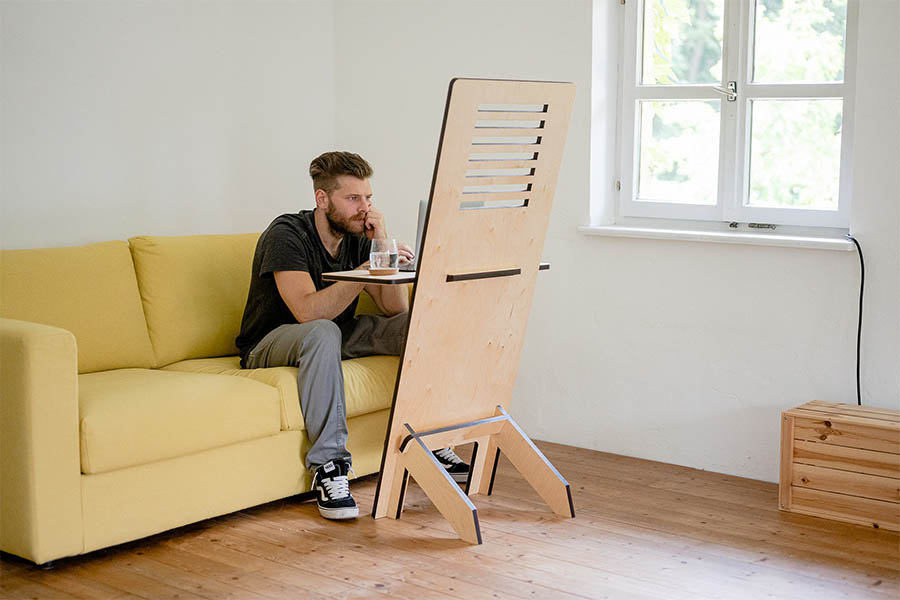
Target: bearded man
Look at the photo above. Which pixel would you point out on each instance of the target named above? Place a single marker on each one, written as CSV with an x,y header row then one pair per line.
x,y
293,318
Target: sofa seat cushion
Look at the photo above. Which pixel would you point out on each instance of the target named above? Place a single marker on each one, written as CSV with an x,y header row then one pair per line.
x,y
130,417
368,383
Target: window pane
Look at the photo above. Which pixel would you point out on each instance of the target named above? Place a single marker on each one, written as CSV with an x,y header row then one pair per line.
x,y
679,151
795,153
799,40
682,42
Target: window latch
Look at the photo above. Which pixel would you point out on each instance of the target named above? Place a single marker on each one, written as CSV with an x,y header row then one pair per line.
x,y
730,91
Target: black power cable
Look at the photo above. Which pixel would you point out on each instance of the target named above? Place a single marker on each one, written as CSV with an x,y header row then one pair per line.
x,y
862,283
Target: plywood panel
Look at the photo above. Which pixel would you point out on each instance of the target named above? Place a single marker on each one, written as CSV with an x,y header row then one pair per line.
x,y
465,337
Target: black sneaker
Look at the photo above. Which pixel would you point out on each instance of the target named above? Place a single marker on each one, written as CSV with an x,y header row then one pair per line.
x,y
458,470
333,491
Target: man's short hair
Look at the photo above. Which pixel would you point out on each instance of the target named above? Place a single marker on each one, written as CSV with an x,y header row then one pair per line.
x,y
326,168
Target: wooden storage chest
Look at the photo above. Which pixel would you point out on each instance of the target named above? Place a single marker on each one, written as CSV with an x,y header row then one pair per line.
x,y
842,461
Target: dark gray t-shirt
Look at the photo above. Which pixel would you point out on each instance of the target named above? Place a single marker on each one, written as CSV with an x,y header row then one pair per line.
x,y
291,243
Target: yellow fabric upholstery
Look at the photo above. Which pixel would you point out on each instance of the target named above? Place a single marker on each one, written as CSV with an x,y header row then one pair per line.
x,y
283,379
136,416
126,449
127,504
365,441
368,383
88,290
194,289
366,305
40,480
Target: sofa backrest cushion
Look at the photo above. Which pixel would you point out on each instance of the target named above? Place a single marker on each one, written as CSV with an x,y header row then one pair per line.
x,y
89,290
194,289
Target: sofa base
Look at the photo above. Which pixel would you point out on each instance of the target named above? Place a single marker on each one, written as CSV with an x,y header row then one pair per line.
x,y
132,503
129,504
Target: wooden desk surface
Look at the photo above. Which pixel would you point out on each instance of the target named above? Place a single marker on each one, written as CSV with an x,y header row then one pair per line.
x,y
362,276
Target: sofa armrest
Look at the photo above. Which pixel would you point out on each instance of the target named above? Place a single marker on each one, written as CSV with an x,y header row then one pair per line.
x,y
40,468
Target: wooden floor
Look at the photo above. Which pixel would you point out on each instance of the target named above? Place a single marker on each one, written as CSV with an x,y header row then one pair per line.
x,y
642,530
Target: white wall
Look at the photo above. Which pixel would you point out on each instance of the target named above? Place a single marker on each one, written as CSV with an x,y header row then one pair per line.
x,y
876,197
675,351
126,118
392,79
135,117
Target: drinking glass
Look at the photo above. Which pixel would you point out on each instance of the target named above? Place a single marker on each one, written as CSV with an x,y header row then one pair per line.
x,y
383,257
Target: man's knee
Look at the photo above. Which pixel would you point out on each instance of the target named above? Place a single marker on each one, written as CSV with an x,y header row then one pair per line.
x,y
322,334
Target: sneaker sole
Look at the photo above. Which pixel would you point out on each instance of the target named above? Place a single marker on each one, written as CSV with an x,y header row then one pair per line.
x,y
460,477
338,514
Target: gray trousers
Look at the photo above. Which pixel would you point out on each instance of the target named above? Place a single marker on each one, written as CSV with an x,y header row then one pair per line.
x,y
316,349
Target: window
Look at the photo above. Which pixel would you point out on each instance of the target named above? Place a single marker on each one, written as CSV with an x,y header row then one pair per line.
x,y
737,110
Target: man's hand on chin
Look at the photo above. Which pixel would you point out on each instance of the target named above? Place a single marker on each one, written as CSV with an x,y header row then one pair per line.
x,y
374,224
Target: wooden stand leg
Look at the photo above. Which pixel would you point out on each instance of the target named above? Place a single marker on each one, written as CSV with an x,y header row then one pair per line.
x,y
439,486
477,464
491,435
468,487
535,468
484,467
395,492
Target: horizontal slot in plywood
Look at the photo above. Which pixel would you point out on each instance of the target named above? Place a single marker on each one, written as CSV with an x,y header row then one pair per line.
x,y
492,148
496,196
486,163
498,115
488,131
846,482
885,464
477,180
852,509
488,204
541,107
493,158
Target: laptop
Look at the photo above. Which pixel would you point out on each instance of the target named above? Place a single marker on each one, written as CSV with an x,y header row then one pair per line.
x,y
423,212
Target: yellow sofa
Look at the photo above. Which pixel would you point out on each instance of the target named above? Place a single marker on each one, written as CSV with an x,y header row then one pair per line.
x,y
123,408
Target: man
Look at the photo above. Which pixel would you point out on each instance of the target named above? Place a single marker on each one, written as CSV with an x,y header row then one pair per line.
x,y
293,318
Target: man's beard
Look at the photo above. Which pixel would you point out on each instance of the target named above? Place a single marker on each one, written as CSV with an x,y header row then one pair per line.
x,y
342,226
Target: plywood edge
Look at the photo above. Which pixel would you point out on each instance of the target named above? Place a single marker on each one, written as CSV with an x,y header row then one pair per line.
x,y
787,455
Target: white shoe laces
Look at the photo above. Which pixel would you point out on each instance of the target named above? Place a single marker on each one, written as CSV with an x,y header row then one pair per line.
x,y
448,455
337,487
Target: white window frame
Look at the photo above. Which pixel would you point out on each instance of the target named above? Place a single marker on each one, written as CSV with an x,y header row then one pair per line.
x,y
734,141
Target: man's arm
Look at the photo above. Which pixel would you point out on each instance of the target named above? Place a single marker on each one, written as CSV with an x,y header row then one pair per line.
x,y
391,299
306,304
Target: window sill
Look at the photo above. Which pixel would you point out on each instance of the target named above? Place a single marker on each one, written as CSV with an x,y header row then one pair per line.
x,y
816,241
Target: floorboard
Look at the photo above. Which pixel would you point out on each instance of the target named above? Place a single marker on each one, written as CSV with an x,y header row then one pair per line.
x,y
643,530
